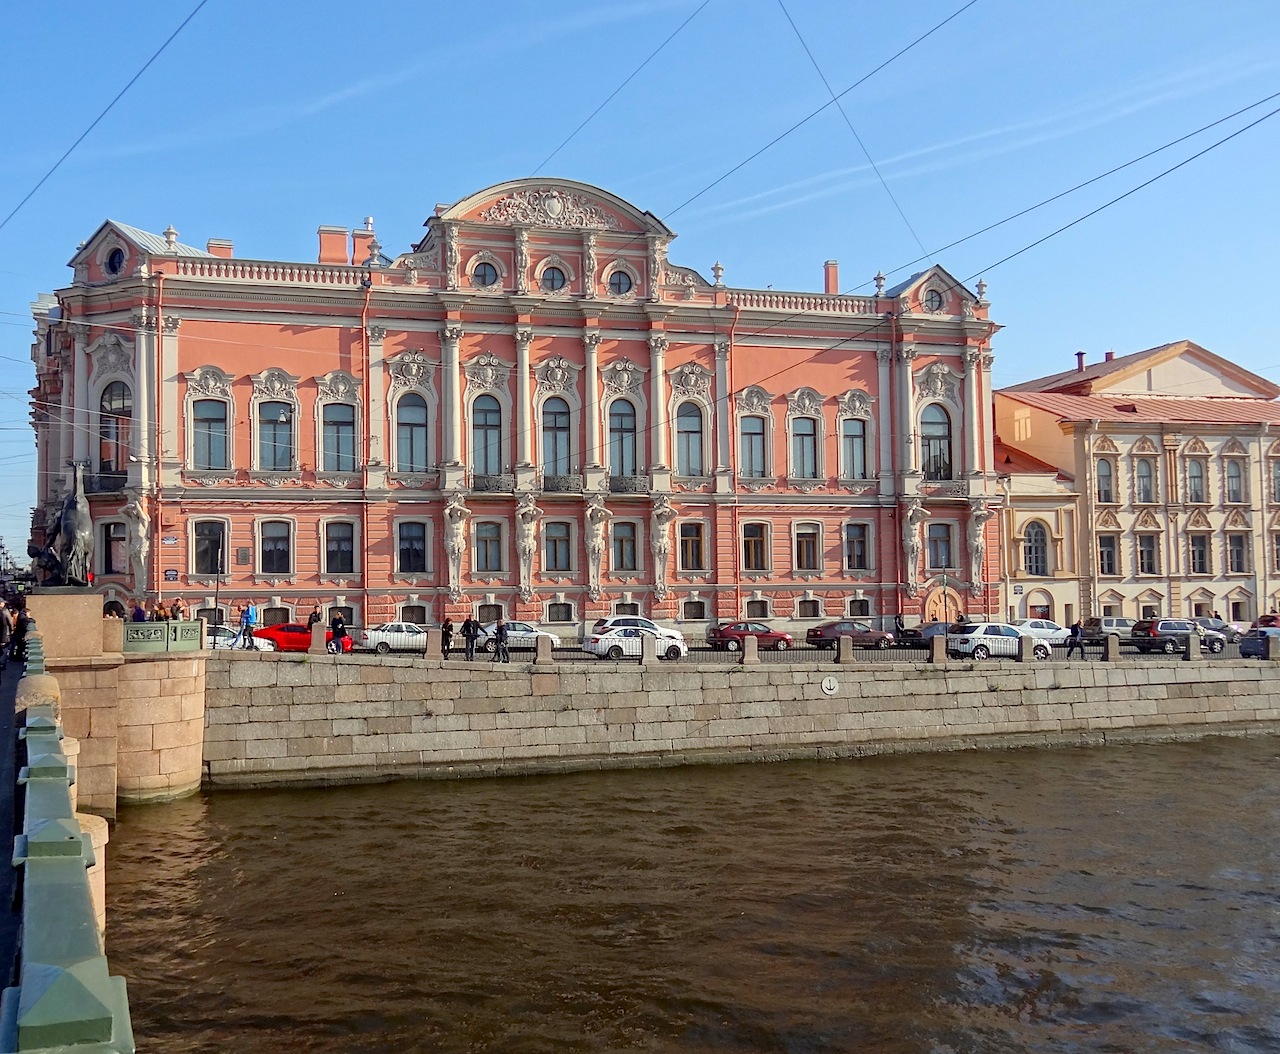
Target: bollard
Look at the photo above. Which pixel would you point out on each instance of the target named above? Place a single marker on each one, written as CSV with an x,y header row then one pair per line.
x,y
1111,647
648,649
844,648
1026,648
542,656
750,654
1271,647
318,632
938,648
1194,651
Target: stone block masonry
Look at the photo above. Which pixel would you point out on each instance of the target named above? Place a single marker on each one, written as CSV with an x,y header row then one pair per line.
x,y
283,719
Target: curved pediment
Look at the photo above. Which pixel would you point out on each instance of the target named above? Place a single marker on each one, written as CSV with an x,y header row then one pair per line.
x,y
1144,446
1195,446
1198,521
561,203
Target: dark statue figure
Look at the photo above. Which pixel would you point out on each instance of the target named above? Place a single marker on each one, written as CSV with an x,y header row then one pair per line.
x,y
68,554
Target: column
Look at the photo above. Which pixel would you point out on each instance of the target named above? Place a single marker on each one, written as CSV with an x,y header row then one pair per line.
x,y
724,414
988,433
884,427
450,336
658,386
375,384
79,447
524,417
971,423
591,346
167,396
143,394
907,408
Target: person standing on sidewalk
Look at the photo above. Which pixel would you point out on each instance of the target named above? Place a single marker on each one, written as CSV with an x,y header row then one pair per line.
x,y
446,637
501,653
1076,640
248,622
470,631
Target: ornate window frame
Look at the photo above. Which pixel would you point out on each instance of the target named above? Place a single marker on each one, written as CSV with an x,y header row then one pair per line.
x,y
638,403
135,444
857,405
275,577
1048,542
952,465
195,577
340,578
953,536
393,407
807,404
555,574
754,401
817,528
338,388
574,403
703,572
503,400
208,383
503,571
570,277
870,525
615,571
274,385
486,256
428,538
767,545
612,266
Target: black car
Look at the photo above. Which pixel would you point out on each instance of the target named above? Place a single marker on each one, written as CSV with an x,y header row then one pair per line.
x,y
1170,635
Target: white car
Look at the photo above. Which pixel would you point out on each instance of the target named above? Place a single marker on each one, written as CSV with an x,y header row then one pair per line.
x,y
220,638
1043,629
983,640
618,641
637,622
394,636
519,635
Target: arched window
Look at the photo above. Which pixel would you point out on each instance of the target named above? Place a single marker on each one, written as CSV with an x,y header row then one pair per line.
x,y
1036,550
275,437
1235,481
935,442
555,437
853,447
486,436
1145,483
688,439
622,438
1106,480
804,448
1195,481
338,437
115,418
753,448
411,433
209,434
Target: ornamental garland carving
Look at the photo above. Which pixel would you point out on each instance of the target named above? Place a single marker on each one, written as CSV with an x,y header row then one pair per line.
x,y
337,386
622,377
276,384
549,208
209,381
690,379
855,403
556,374
410,370
936,381
804,402
111,356
487,373
754,400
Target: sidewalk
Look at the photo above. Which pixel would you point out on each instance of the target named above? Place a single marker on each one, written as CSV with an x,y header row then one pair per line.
x,y
8,874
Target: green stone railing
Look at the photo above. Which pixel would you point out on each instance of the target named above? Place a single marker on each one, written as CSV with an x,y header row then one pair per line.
x,y
162,636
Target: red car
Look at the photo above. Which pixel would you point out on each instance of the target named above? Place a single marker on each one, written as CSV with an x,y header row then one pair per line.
x,y
294,636
729,637
829,633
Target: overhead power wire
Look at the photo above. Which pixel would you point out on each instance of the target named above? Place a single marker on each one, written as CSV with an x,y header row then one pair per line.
x,y
849,124
608,99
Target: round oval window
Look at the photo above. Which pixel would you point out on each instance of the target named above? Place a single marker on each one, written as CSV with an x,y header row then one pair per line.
x,y
552,279
115,260
933,300
619,283
485,274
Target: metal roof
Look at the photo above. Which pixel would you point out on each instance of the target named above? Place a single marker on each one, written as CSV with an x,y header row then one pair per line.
x,y
155,243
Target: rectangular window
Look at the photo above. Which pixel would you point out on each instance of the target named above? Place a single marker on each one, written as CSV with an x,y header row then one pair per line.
x,y
339,548
859,608
557,552
412,549
277,550
808,548
414,614
211,548
1148,554
560,612
940,545
626,609
1275,553
1199,554
624,546
338,438
804,448
1107,551
488,547
209,434
753,447
488,613
115,549
695,609
757,609
856,552
755,557
853,438
1275,481
808,609
1237,553
693,554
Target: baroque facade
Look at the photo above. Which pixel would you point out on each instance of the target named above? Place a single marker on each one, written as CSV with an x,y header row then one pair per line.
x,y
532,412
1175,457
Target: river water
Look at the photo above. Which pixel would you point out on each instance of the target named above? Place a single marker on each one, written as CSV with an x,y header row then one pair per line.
x,y
1118,899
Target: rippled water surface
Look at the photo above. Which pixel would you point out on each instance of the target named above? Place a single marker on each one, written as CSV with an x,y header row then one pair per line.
x,y
1120,899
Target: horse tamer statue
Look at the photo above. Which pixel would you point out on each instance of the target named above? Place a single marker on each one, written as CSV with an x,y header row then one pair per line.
x,y
68,556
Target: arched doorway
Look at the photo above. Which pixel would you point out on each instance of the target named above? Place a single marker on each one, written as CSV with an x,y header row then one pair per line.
x,y
942,604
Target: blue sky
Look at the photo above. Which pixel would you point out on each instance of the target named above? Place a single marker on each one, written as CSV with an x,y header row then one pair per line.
x,y
257,127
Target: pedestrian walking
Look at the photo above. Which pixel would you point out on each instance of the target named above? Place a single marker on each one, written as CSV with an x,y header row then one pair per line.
x,y
470,631
1076,640
446,637
248,622
501,653
19,645
338,633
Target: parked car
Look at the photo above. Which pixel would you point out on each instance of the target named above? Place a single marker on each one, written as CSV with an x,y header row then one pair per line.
x,y
394,636
919,636
1266,621
519,635
636,622
1095,630
729,637
982,640
864,636
223,637
1253,645
1043,629
1171,635
295,636
1229,631
618,641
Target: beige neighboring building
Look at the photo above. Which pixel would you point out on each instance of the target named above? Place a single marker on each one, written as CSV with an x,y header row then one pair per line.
x,y
1039,559
1175,453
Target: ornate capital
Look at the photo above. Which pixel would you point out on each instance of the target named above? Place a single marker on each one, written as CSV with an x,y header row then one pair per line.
x,y
722,348
907,353
376,334
451,333
972,356
884,355
658,344
988,361
524,335
80,330
591,339
171,324
143,320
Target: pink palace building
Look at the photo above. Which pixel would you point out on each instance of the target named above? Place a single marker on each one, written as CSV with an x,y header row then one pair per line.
x,y
531,413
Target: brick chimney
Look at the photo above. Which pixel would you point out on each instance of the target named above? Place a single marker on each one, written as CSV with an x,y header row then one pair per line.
x,y
333,245
1080,362
220,247
831,278
1109,356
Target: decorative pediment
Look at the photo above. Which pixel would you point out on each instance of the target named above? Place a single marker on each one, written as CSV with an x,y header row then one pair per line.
x,y
338,386
1144,446
935,292
487,373
1195,445
804,402
1198,521
208,381
1147,521
549,208
1110,596
1234,446
691,379
855,403
1237,520
937,381
622,377
754,400
410,369
556,374
110,354
1104,445
277,385
1107,521
1201,594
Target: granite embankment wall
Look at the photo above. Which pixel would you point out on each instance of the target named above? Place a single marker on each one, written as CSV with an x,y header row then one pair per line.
x,y
286,719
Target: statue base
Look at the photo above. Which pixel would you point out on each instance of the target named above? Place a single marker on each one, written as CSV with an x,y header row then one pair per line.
x,y
69,619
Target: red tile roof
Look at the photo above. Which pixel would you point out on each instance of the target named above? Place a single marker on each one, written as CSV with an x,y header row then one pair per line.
x,y
1153,409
